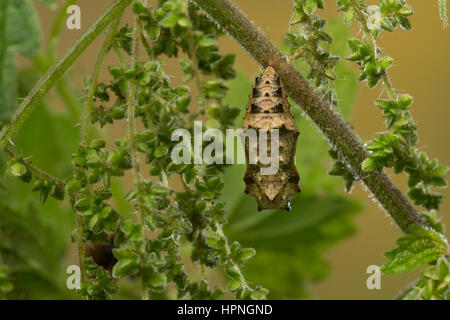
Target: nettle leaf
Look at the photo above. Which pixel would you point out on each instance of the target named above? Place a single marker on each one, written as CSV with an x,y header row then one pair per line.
x,y
433,284
19,32
419,247
5,285
8,87
22,28
32,250
298,237
36,234
48,2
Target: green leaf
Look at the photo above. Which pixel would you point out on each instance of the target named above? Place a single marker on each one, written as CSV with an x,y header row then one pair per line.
x,y
8,87
22,28
157,281
169,21
369,165
246,254
348,17
233,285
18,169
37,234
274,229
161,151
419,247
206,42
48,2
189,176
386,62
33,250
433,284
309,6
259,294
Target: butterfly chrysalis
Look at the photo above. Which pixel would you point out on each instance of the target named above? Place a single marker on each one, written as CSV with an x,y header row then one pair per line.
x,y
268,113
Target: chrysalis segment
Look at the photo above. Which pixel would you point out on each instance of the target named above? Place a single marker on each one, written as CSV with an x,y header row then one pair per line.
x,y
268,110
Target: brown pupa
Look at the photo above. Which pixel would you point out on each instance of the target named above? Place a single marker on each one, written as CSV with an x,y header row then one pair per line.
x,y
268,109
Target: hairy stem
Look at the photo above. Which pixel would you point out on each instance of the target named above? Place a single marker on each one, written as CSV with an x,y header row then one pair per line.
x,y
85,122
57,70
80,245
93,84
131,100
56,28
373,47
35,170
228,250
387,83
340,136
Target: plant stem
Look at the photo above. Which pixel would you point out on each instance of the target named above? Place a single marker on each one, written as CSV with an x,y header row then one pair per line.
x,y
373,47
146,43
131,100
193,56
80,244
35,170
228,250
56,29
93,84
57,70
340,136
198,83
85,122
385,79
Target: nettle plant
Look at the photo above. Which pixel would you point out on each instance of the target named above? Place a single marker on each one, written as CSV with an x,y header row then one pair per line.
x,y
171,208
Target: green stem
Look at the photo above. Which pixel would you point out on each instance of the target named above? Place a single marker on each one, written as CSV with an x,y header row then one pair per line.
x,y
119,55
193,56
340,136
386,81
57,71
41,174
146,42
63,89
80,245
93,84
131,100
85,122
371,42
56,29
228,250
388,85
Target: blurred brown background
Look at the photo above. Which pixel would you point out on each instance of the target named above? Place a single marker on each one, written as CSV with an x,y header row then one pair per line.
x,y
422,69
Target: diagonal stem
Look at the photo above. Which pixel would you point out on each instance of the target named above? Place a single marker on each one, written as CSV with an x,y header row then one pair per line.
x,y
339,135
57,71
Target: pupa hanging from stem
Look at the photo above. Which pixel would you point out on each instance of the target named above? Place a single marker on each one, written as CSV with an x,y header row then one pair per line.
x,y
268,112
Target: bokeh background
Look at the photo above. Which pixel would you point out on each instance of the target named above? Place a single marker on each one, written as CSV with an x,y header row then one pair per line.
x,y
422,69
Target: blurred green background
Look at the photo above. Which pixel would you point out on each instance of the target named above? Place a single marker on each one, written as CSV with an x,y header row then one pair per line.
x,y
421,69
